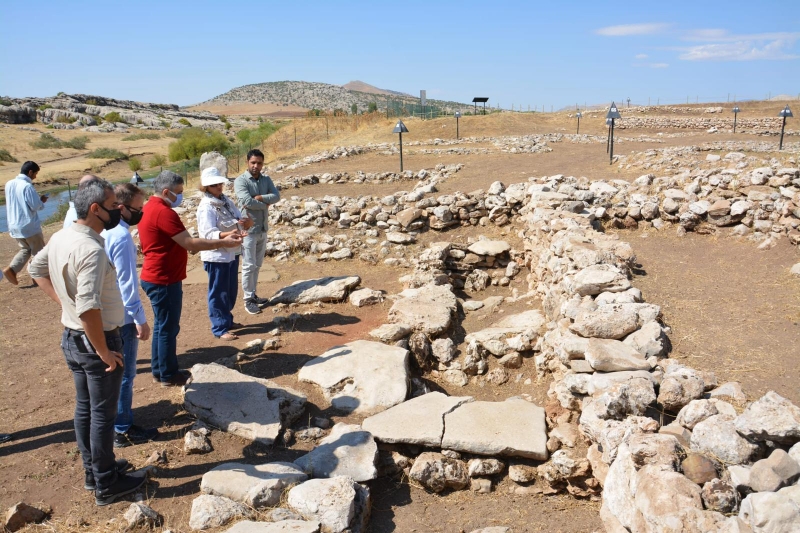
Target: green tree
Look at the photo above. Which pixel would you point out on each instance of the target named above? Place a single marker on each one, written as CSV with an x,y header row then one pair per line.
x,y
373,107
193,142
354,109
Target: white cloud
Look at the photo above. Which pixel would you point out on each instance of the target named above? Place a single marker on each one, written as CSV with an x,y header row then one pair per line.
x,y
742,50
632,29
641,56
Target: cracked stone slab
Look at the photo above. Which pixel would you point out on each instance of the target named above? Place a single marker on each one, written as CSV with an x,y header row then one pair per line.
x,y
518,331
349,450
284,526
253,408
429,309
418,421
328,289
363,377
514,427
253,485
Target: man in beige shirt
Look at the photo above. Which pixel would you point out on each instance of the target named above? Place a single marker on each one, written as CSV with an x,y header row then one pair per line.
x,y
74,270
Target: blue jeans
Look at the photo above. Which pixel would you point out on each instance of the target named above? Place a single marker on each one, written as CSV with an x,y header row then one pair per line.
x,y
167,302
223,285
96,395
130,348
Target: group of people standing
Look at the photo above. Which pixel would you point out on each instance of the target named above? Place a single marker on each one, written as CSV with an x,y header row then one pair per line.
x,y
89,269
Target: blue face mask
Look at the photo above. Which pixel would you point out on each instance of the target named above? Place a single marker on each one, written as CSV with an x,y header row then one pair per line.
x,y
178,199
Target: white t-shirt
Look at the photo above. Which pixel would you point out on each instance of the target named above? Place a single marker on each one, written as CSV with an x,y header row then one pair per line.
x,y
72,215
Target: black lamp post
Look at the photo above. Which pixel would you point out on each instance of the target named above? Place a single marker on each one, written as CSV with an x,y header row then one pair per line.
x,y
735,112
458,116
613,114
629,101
785,113
608,137
400,129
579,115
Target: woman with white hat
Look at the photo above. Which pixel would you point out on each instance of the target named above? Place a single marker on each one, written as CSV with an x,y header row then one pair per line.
x,y
218,217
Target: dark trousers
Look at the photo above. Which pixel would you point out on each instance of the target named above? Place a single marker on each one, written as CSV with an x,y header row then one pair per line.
x,y
167,302
96,396
223,286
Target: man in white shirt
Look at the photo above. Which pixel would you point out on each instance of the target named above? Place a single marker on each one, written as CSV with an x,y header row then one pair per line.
x,y
22,210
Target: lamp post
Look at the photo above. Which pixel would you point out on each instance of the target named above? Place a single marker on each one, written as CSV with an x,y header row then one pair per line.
x,y
613,114
629,101
458,116
579,115
785,113
400,129
735,112
608,137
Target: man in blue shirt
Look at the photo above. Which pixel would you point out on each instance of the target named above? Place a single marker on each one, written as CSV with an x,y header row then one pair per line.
x,y
122,252
22,206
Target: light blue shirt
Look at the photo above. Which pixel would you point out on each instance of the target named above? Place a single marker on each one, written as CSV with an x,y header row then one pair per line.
x,y
122,252
22,204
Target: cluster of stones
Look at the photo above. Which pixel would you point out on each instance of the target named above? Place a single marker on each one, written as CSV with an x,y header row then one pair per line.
x,y
606,349
689,157
756,126
81,114
440,173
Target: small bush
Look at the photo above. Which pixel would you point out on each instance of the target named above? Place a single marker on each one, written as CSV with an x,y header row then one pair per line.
x,y
158,160
174,134
106,153
64,119
354,109
6,156
3,101
91,101
113,117
373,107
194,141
44,106
150,136
78,143
47,140
98,119
134,164
61,93
184,122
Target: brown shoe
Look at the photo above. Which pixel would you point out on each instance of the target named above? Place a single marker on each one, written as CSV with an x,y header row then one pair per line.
x,y
178,380
9,273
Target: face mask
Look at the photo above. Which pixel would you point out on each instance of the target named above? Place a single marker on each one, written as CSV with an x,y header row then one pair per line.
x,y
136,217
113,218
178,199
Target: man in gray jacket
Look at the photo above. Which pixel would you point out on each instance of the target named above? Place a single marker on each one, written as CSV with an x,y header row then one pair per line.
x,y
254,193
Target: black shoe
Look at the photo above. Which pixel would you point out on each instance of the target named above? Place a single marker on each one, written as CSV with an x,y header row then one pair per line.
x,y
134,435
125,484
260,301
252,307
5,437
88,479
178,380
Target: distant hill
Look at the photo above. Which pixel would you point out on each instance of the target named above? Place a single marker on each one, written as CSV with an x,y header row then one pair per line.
x,y
362,87
323,96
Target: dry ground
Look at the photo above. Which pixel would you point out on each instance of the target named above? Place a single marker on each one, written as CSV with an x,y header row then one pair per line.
x,y
733,309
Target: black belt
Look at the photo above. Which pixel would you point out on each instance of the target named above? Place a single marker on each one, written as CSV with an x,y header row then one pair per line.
x,y
71,331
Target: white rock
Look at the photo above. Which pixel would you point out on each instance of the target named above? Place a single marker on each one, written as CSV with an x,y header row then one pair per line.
x,y
771,417
490,248
215,511
253,485
605,323
375,376
716,435
608,355
696,411
438,472
429,309
649,340
363,297
595,279
336,503
329,289
443,350
396,237
769,512
390,332
349,451
283,526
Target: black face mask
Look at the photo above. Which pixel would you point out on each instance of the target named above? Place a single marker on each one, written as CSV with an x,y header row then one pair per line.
x,y
136,216
113,218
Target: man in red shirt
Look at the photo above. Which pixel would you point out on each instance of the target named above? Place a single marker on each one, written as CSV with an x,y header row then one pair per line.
x,y
165,242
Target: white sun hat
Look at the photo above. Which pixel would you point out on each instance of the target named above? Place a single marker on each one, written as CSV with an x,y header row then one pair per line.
x,y
211,176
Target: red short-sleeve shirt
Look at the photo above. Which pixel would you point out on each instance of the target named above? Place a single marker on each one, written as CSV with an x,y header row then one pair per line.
x,y
164,259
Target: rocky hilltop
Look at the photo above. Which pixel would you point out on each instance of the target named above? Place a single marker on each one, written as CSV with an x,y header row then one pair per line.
x,y
358,85
93,113
324,96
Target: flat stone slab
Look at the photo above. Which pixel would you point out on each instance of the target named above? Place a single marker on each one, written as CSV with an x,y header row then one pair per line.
x,y
429,309
418,421
608,355
530,323
492,248
253,485
253,408
514,427
284,526
363,377
349,450
329,289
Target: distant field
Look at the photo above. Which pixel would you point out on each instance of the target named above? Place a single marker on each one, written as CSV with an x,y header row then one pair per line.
x,y
245,108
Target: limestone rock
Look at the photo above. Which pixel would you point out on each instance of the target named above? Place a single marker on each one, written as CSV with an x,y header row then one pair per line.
x,y
364,297
337,503
397,237
680,386
654,449
215,511
595,279
141,515
196,441
717,436
417,421
605,323
361,376
256,486
770,512
282,526
661,493
720,496
349,451
607,355
774,472
490,248
772,417
514,427
390,332
22,514
214,159
428,309
485,467
649,340
253,408
328,289
731,391
437,472
630,397
696,411
443,350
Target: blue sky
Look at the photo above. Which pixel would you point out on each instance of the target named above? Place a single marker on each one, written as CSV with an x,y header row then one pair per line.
x,y
520,53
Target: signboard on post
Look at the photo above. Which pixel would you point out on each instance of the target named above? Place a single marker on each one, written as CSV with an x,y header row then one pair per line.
x,y
423,98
